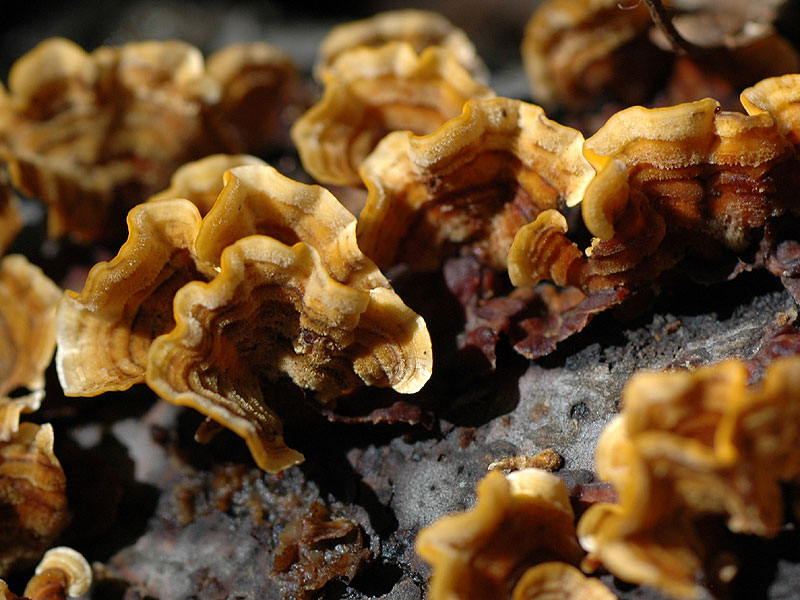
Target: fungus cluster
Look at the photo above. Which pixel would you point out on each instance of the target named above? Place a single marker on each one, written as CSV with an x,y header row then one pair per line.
x,y
93,134
518,542
676,187
268,285
658,188
578,54
32,482
688,447
242,293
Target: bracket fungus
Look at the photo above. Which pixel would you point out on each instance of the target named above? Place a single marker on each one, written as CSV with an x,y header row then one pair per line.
x,y
574,50
673,182
714,172
32,482
257,200
780,98
199,181
520,536
62,573
32,495
580,53
28,301
270,284
93,134
419,28
273,311
105,331
688,445
369,92
470,184
559,581
542,250
259,82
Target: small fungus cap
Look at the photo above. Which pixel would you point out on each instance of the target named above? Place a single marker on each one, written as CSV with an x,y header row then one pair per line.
x,y
519,520
370,92
470,184
419,28
73,564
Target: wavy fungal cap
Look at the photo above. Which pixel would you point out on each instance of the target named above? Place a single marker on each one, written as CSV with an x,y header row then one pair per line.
x,y
52,60
258,200
517,127
274,312
471,184
105,331
564,39
200,181
606,199
28,300
419,28
780,97
559,581
687,445
519,520
370,92
537,250
73,564
674,136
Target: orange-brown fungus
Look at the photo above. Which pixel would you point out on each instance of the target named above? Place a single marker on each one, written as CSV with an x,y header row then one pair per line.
x,y
62,573
200,181
471,184
32,496
260,84
269,285
105,331
686,180
257,200
579,53
542,250
574,50
779,97
713,172
520,521
93,134
6,593
273,312
559,581
419,28
28,301
372,91
688,445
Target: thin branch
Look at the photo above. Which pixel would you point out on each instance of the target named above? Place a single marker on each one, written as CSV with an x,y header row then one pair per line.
x,y
679,44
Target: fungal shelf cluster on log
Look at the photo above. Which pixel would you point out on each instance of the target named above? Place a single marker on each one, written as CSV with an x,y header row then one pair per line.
x,y
438,341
